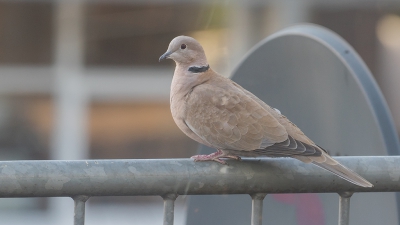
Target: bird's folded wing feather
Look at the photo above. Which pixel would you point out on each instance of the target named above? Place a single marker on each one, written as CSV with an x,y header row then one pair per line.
x,y
290,127
289,148
228,119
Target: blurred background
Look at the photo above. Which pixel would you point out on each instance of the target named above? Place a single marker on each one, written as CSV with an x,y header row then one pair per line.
x,y
81,80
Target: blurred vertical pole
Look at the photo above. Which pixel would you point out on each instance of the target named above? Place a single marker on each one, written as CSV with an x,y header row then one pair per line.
x,y
282,14
70,100
69,139
251,22
388,75
241,33
388,78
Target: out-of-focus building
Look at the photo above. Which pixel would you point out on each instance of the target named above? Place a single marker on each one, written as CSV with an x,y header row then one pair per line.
x,y
81,79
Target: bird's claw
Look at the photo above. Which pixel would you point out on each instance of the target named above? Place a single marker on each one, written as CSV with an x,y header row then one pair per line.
x,y
198,158
216,156
233,157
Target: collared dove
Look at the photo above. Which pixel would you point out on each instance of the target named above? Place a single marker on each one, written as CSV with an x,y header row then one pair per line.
x,y
217,112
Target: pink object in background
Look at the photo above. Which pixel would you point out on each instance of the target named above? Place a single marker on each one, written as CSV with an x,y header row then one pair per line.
x,y
309,209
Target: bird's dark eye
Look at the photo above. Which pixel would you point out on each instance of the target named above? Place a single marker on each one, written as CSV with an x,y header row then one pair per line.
x,y
183,46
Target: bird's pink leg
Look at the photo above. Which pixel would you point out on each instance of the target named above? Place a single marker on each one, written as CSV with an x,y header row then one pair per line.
x,y
214,157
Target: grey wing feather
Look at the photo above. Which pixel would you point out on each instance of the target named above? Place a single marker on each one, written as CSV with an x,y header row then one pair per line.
x,y
288,148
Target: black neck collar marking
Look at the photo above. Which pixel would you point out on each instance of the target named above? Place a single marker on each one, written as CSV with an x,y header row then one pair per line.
x,y
195,69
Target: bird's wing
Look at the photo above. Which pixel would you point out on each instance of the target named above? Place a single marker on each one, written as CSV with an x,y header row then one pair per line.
x,y
228,119
290,127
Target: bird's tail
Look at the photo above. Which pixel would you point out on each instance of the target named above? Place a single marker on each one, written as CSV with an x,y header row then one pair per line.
x,y
338,169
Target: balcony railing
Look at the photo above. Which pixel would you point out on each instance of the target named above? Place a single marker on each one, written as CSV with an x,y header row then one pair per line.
x,y
169,178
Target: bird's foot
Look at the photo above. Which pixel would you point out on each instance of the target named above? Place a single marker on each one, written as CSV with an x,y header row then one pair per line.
x,y
207,158
216,156
235,157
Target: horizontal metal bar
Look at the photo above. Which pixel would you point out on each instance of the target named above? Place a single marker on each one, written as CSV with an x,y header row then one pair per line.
x,y
183,176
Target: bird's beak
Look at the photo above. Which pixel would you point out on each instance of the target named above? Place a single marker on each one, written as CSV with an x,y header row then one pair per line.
x,y
164,56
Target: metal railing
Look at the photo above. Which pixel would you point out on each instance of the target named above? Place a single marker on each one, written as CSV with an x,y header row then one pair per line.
x,y
169,178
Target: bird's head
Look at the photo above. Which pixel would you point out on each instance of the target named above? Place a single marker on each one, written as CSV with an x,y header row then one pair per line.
x,y
185,50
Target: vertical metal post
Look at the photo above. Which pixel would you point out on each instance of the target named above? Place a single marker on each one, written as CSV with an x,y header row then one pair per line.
x,y
169,204
344,207
257,208
79,209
